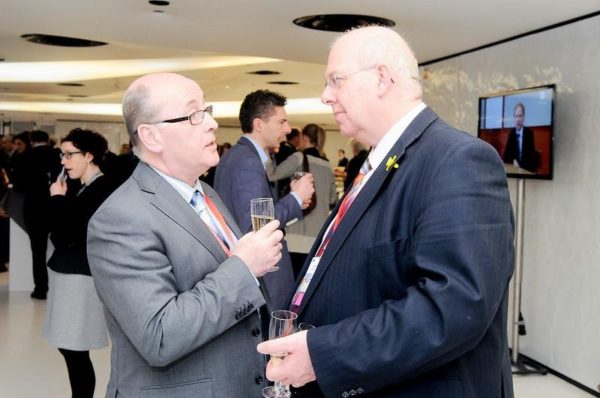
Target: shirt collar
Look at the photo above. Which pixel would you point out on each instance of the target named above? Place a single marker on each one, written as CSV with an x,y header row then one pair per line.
x,y
264,157
185,190
386,143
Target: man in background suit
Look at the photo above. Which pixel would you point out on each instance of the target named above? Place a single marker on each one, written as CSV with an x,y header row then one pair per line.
x,y
41,170
241,176
360,154
520,146
180,290
408,292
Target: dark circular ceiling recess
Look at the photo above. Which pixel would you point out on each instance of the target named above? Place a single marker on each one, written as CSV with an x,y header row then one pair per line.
x,y
62,41
340,22
263,72
283,82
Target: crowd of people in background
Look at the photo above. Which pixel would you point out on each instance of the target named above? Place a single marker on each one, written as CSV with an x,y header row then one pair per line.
x,y
29,163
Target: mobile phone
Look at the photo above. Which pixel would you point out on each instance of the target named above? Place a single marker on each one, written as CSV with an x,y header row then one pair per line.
x,y
63,175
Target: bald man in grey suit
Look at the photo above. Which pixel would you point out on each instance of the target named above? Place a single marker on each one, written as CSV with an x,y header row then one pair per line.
x,y
182,293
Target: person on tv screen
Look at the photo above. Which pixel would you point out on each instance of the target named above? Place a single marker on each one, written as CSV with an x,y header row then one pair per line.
x,y
520,147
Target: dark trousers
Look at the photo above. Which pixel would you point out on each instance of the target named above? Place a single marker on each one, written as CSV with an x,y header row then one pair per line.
x,y
81,373
38,238
4,240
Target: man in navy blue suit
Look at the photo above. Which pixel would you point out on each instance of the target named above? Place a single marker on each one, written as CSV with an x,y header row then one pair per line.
x,y
520,146
241,176
407,283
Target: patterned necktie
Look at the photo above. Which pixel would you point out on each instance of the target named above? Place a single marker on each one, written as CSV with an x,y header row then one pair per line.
x,y
344,206
212,217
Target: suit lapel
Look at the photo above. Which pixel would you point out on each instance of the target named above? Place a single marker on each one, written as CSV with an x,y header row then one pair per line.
x,y
208,191
169,202
364,199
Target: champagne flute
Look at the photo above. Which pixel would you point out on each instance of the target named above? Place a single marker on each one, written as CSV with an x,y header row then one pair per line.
x,y
262,212
283,323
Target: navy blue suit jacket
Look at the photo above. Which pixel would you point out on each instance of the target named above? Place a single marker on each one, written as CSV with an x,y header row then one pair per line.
x,y
410,297
529,157
240,177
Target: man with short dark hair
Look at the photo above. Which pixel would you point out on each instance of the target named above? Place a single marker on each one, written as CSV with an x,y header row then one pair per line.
x,y
42,169
241,176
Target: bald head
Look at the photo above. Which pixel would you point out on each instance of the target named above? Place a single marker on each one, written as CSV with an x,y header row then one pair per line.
x,y
145,98
374,45
372,81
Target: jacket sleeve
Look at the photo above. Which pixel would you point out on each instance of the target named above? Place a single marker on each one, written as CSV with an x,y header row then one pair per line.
x,y
286,169
250,182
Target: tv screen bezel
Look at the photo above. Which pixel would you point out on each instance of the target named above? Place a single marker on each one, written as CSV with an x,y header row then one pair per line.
x,y
550,174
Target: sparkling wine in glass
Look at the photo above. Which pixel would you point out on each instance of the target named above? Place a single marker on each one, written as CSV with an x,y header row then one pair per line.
x,y
282,323
262,212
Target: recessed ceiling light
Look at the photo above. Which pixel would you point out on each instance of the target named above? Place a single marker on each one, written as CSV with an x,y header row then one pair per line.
x,y
62,41
159,3
282,82
263,72
340,22
71,84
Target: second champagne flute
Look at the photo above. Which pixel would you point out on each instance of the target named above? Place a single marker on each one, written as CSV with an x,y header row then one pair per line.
x,y
282,323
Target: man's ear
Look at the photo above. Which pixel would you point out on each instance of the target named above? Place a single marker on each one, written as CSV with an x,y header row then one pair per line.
x,y
257,125
386,80
150,137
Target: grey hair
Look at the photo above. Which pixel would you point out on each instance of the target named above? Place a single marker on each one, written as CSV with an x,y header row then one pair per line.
x,y
137,110
387,47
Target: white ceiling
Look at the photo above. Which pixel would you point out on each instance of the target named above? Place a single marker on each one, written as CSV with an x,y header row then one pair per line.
x,y
264,28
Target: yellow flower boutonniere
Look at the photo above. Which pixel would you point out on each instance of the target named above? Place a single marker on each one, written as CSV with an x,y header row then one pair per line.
x,y
391,162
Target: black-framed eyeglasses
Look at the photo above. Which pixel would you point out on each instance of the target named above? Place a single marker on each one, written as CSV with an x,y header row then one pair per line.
x,y
195,118
67,155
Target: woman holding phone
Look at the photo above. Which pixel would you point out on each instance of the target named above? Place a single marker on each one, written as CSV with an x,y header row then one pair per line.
x,y
74,316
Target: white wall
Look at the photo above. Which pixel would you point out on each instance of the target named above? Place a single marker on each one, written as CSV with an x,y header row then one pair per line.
x,y
561,264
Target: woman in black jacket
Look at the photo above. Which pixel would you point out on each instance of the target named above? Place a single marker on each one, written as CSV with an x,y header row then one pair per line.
x,y
74,316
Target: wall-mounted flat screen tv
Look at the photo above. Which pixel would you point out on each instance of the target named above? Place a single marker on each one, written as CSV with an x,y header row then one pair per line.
x,y
519,124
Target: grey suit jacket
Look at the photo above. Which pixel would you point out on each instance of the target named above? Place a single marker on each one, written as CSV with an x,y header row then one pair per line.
x,y
183,318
